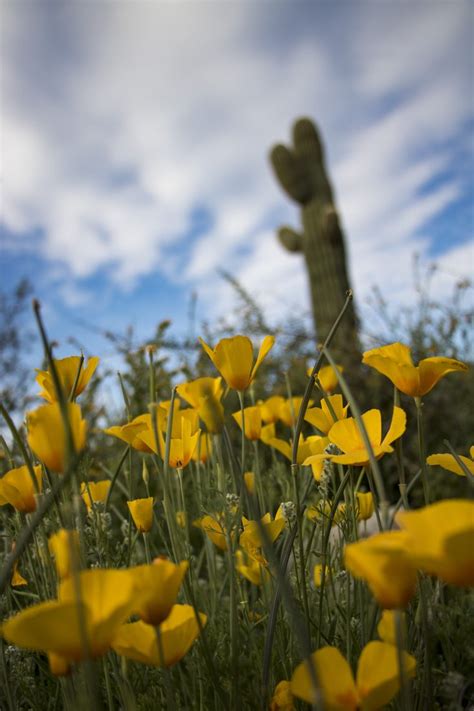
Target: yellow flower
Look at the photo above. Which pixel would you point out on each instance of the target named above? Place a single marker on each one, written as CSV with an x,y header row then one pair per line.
x,y
318,574
47,434
384,562
250,568
345,434
184,437
251,539
270,408
128,432
321,417
17,579
233,358
67,369
327,377
158,586
141,511
282,699
365,506
252,422
203,448
447,461
386,628
204,394
395,363
321,512
17,489
94,492
138,641
441,539
64,546
306,447
214,530
107,599
181,518
376,684
249,479
289,409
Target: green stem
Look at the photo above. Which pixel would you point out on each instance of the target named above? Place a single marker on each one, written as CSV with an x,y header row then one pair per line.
x,y
421,450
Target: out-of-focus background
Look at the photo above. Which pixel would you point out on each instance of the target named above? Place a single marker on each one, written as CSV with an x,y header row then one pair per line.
x,y
135,139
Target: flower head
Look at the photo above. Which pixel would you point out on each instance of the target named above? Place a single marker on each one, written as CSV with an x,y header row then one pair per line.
x,y
138,641
251,569
47,434
213,527
448,461
159,585
282,699
395,362
345,434
204,394
141,511
94,492
376,683
64,546
289,409
233,358
252,422
270,408
441,539
68,370
384,562
17,489
327,377
107,599
322,417
129,432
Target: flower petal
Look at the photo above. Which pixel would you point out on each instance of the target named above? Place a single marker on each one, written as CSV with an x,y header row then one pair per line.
x,y
378,676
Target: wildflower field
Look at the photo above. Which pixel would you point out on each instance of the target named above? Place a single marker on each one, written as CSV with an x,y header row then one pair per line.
x,y
229,548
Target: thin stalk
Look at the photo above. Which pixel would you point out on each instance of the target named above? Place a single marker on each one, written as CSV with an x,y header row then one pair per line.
x,y
422,452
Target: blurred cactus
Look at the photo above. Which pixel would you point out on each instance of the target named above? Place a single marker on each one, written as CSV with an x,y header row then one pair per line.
x,y
301,172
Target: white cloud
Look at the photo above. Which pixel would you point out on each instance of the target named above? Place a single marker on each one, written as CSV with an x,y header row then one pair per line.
x,y
152,110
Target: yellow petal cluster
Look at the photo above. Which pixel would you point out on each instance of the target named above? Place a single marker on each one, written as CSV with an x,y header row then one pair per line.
x,y
395,362
47,434
67,370
233,358
17,488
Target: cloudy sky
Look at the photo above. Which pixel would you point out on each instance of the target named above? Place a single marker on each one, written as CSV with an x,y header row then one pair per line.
x,y
135,138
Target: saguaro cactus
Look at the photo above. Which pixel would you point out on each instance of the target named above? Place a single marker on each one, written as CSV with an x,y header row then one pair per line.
x,y
301,172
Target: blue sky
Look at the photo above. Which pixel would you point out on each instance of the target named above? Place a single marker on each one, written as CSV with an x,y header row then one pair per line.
x,y
134,144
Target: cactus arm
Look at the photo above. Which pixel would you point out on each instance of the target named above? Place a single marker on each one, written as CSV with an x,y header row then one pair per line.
x,y
290,173
290,239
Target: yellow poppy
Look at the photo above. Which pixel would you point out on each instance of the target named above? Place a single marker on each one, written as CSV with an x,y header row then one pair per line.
x,y
322,418
17,489
386,628
203,448
158,585
138,641
94,492
184,438
64,546
204,394
376,684
251,539
384,562
447,461
441,539
47,434
233,358
249,480
321,512
128,432
270,408
318,574
67,369
327,377
289,410
346,436
214,530
252,422
306,447
17,579
107,599
250,568
282,699
395,362
141,511
365,506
